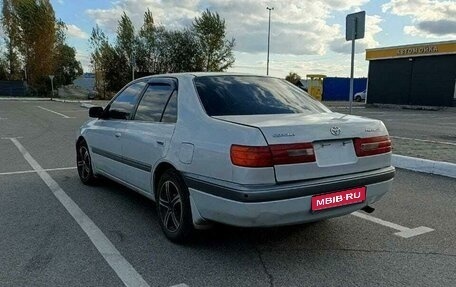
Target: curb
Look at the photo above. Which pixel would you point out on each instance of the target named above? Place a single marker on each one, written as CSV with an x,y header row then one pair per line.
x,y
424,165
71,101
42,99
87,105
23,99
405,107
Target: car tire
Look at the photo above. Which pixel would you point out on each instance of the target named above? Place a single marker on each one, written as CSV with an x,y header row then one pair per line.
x,y
358,99
84,164
173,207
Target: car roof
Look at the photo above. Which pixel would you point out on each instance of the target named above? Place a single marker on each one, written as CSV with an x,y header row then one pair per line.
x,y
200,74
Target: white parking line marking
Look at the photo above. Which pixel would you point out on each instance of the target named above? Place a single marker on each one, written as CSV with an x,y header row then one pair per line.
x,y
343,107
123,269
33,171
404,232
75,111
57,113
180,285
426,141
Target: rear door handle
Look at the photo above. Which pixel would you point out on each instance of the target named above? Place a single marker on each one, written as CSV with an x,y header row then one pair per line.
x,y
117,135
160,143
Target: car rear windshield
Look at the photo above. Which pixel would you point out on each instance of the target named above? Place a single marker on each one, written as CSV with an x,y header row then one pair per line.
x,y
252,95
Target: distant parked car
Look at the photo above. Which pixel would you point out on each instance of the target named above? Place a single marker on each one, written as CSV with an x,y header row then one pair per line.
x,y
361,96
92,94
237,149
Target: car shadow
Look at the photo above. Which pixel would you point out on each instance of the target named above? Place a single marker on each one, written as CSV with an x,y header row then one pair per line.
x,y
221,235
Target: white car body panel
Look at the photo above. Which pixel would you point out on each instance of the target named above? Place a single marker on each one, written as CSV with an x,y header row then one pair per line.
x,y
198,146
138,137
315,128
99,133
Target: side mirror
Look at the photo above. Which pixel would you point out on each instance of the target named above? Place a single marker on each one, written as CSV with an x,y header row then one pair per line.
x,y
96,112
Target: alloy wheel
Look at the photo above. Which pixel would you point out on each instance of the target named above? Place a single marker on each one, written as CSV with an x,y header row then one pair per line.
x,y
84,163
170,206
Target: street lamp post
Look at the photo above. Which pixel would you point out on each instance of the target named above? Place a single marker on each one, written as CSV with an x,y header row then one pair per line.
x,y
133,65
269,37
52,85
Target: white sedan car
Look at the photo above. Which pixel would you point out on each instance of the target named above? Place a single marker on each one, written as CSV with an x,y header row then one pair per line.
x,y
236,149
361,96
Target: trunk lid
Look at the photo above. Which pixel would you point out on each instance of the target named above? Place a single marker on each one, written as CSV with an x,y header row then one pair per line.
x,y
331,135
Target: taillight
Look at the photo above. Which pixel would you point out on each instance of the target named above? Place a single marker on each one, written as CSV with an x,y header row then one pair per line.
x,y
251,156
267,156
292,153
372,146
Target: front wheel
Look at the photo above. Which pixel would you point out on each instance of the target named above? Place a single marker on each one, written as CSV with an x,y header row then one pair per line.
x,y
358,99
84,163
173,205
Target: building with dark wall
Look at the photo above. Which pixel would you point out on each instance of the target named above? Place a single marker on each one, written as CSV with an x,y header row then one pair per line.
x,y
421,74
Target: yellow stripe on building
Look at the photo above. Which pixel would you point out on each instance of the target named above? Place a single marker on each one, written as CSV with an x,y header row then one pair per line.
x,y
416,50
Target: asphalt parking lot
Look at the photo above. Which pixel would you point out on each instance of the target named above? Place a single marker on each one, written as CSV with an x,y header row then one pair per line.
x,y
407,123
42,242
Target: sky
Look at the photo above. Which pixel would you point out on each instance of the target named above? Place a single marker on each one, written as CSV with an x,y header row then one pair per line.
x,y
307,36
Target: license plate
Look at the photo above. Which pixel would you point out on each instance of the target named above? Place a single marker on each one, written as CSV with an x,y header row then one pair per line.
x,y
334,153
339,198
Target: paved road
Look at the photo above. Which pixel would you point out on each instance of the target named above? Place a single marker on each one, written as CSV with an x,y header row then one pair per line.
x,y
42,245
417,124
422,134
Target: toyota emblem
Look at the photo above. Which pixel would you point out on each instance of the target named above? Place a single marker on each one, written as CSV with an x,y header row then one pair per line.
x,y
335,131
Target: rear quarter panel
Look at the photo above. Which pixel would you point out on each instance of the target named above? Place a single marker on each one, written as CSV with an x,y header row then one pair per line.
x,y
201,145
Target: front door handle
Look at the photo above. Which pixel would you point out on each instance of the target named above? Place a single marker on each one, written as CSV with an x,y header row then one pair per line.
x,y
160,143
117,135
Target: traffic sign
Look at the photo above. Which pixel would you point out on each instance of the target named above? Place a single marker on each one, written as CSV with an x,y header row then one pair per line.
x,y
354,29
354,25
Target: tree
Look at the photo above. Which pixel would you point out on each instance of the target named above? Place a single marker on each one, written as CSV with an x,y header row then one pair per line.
x,y
293,78
37,24
180,52
146,45
125,46
4,73
11,31
66,67
200,47
108,63
35,41
99,58
216,50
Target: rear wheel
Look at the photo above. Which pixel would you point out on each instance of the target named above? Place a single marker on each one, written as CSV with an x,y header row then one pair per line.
x,y
84,163
358,99
173,205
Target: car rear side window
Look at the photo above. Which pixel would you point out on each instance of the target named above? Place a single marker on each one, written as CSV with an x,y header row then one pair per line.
x,y
252,95
153,102
170,114
122,106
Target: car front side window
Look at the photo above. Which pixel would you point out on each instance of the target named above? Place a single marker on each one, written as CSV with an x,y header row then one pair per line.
x,y
123,106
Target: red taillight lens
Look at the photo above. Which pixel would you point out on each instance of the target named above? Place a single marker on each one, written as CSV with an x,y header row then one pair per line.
x,y
292,153
372,146
251,156
267,156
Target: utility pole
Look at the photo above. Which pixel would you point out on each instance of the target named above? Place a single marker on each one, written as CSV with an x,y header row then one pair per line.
x,y
352,63
269,37
52,85
133,65
354,29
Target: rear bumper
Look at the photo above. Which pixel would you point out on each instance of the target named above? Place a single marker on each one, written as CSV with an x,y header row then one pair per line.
x,y
284,204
